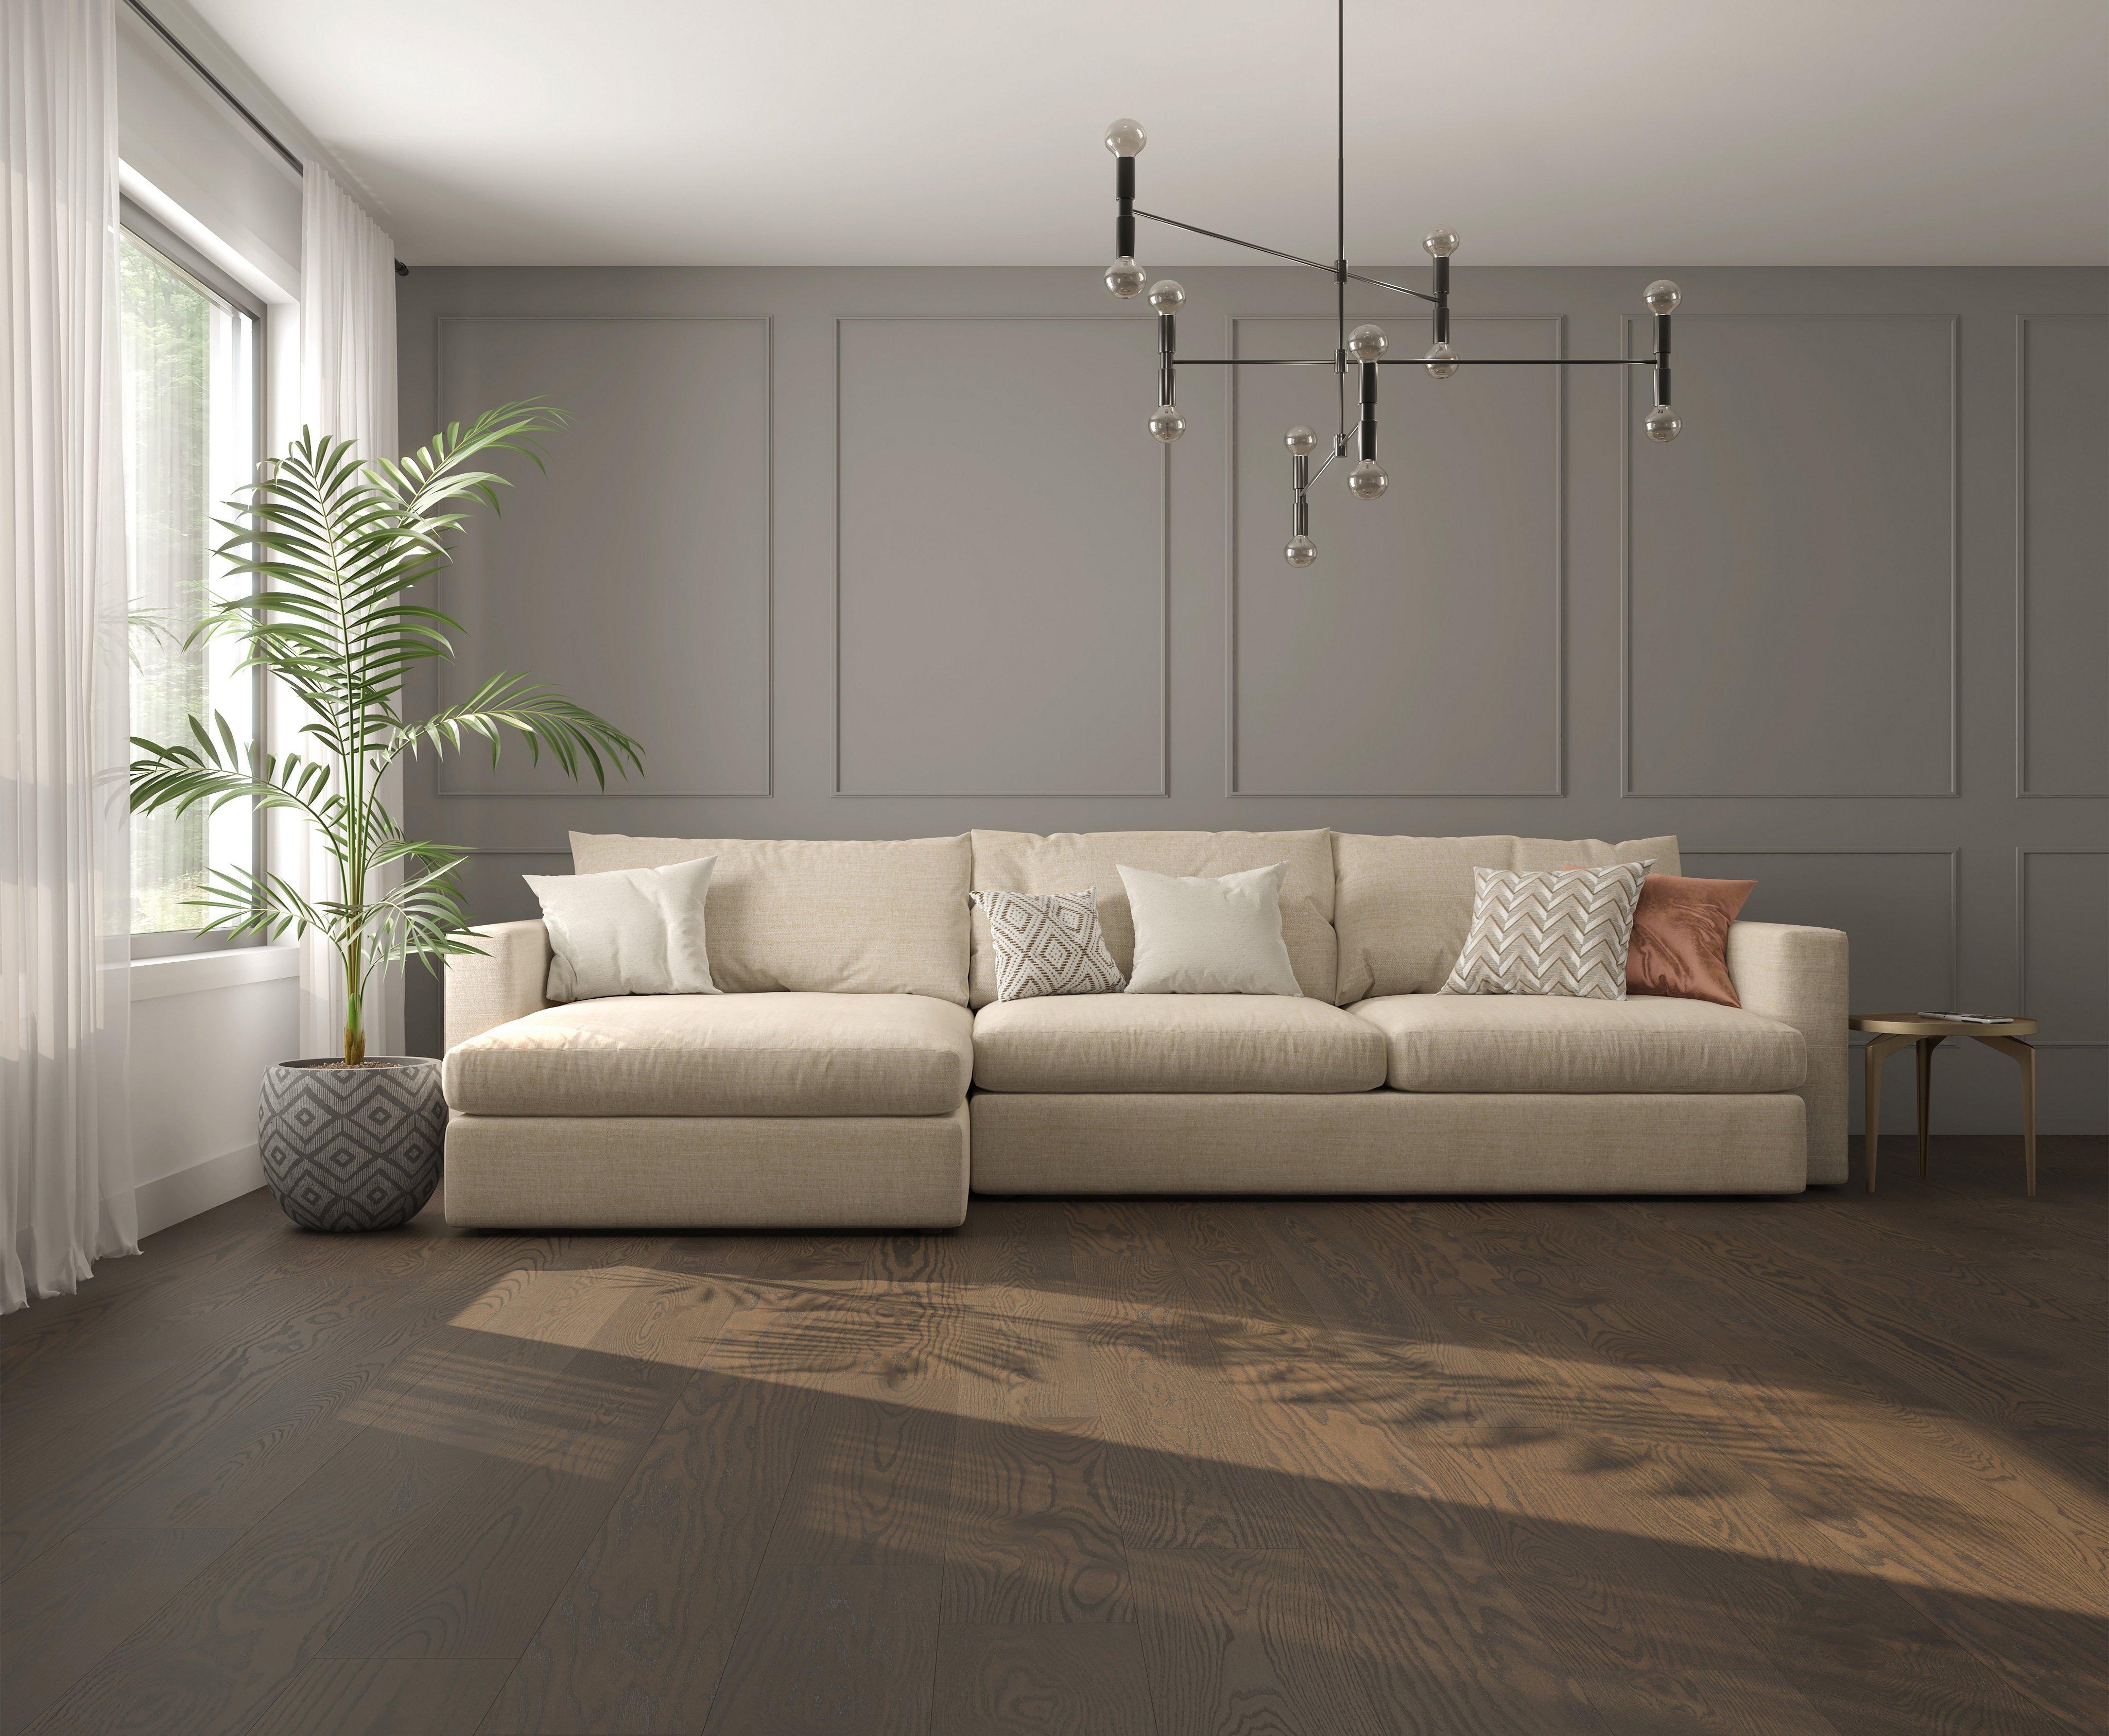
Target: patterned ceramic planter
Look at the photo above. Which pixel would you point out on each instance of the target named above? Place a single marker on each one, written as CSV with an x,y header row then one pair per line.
x,y
352,1147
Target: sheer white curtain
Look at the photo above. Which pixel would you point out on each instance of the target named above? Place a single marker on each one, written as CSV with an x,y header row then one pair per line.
x,y
348,391
66,1169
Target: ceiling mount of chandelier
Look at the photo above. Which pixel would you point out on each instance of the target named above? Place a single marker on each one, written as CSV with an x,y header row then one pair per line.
x,y
1363,349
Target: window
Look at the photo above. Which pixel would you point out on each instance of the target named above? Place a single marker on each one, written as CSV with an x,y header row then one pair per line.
x,y
192,396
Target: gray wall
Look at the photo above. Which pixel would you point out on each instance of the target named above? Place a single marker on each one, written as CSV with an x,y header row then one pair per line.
x,y
885,553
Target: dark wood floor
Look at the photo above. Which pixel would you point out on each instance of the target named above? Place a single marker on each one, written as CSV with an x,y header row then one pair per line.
x,y
1828,1465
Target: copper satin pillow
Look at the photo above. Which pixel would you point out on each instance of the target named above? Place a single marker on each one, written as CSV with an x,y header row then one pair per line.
x,y
1680,943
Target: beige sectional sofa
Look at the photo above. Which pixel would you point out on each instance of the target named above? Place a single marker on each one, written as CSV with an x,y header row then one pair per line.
x,y
830,1084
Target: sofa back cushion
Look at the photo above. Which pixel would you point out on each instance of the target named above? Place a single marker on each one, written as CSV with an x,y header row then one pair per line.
x,y
1070,861
849,917
1403,904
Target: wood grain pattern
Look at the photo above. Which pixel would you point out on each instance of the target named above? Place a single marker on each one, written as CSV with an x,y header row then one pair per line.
x,y
1820,1467
1082,1679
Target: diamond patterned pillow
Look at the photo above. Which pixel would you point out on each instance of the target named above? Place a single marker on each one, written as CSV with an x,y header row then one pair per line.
x,y
1048,943
1550,931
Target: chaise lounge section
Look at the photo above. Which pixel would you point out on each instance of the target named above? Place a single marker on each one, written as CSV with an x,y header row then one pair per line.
x,y
830,1085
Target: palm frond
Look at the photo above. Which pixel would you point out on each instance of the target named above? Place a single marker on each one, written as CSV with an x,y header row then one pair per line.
x,y
335,553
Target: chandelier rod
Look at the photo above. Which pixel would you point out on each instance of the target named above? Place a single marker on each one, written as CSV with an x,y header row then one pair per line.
x,y
1217,235
1340,221
1422,362
1294,259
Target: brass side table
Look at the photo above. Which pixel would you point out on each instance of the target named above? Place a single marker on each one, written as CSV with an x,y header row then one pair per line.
x,y
1891,1032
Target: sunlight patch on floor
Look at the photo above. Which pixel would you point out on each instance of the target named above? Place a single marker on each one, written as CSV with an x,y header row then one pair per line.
x,y
1687,1457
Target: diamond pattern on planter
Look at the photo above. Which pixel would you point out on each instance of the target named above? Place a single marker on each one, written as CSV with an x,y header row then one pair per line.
x,y
352,1148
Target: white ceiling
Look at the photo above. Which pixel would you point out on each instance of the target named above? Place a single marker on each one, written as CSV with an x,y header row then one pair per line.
x,y
966,132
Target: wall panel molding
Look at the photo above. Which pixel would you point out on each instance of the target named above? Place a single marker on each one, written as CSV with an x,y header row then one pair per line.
x,y
2021,859
2021,670
1233,786
1162,745
762,653
1952,929
1629,411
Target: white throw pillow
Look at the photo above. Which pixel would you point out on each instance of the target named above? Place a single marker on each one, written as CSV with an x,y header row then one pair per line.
x,y
1550,931
633,931
1199,936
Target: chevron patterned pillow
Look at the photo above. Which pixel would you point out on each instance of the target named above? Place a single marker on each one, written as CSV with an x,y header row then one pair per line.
x,y
1550,931
1048,943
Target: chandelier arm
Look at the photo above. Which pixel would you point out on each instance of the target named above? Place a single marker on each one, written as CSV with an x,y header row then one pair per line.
x,y
1524,362
1418,294
1422,361
1217,235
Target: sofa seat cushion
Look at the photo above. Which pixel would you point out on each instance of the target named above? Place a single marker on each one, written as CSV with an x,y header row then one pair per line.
x,y
794,1054
1276,1043
1564,1042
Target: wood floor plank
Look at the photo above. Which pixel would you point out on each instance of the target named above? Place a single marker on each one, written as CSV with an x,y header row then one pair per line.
x,y
638,1636
1765,1563
1236,1631
833,1651
382,1697
250,1458
96,1588
1821,1467
1062,1679
2007,1378
222,1649
1417,1612
1034,1535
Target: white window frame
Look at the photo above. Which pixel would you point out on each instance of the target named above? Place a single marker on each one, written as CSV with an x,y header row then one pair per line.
x,y
150,231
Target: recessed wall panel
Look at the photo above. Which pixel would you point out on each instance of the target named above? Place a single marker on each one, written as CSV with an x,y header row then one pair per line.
x,y
1897,907
635,574
1000,544
2064,918
2061,547
1420,654
1789,562
492,886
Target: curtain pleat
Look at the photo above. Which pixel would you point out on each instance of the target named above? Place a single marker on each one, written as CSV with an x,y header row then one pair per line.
x,y
66,1167
348,391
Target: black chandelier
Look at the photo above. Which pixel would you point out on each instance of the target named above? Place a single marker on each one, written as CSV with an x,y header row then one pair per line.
x,y
1365,346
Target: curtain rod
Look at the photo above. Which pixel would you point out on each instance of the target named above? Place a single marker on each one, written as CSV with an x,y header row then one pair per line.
x,y
198,66
227,96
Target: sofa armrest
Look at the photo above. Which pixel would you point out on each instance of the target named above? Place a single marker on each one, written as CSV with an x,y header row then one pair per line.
x,y
1797,976
502,983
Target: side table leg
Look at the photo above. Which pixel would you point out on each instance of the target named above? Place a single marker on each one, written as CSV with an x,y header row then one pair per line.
x,y
1871,1121
1927,1046
2025,1057
2029,1113
1879,1049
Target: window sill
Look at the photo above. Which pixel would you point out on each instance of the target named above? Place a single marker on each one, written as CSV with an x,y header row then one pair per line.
x,y
191,973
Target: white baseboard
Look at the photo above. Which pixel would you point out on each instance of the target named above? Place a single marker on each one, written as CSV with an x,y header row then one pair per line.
x,y
199,1189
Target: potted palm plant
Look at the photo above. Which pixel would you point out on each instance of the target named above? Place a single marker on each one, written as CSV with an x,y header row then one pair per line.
x,y
334,551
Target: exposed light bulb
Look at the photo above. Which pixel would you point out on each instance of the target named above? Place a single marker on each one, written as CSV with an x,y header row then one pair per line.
x,y
1126,138
1167,296
1663,425
1440,243
1167,424
1366,343
1663,296
1125,278
1300,440
1301,552
1367,480
1441,362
